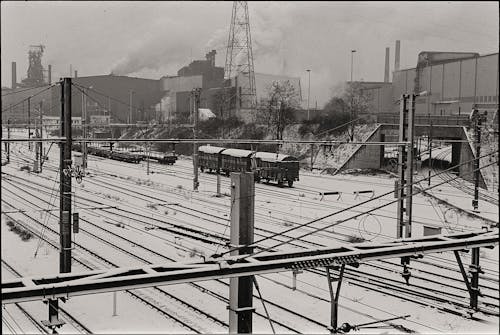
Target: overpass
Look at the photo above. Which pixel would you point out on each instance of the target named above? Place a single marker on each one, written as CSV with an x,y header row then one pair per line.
x,y
451,128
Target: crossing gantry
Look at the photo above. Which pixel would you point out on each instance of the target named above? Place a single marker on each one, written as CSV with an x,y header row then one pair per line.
x,y
67,285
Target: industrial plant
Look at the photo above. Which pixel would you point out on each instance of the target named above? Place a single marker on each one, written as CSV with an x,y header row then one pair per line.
x,y
221,199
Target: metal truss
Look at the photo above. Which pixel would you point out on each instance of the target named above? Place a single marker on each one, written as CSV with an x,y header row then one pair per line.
x,y
100,281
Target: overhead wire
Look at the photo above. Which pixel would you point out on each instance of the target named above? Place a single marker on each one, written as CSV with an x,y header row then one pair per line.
x,y
30,97
344,220
356,205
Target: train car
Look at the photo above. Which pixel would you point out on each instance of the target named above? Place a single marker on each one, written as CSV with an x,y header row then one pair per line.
x,y
125,157
209,157
265,165
237,160
167,159
277,167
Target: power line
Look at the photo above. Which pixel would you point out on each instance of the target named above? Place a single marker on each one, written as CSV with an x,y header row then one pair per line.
x,y
356,205
30,97
353,217
20,91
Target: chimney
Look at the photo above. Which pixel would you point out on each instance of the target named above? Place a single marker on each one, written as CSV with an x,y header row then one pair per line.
x,y
14,75
211,57
386,72
50,75
76,74
396,56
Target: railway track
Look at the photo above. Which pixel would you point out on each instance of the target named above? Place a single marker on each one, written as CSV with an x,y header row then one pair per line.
x,y
142,298
441,308
64,314
462,185
150,299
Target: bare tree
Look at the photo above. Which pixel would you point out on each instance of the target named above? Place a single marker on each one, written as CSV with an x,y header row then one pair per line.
x,y
222,102
278,109
356,100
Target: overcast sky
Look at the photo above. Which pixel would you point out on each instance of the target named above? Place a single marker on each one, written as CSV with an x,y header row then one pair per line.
x,y
152,39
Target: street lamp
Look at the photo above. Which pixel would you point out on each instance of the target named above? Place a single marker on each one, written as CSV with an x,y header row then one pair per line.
x,y
130,108
308,93
352,99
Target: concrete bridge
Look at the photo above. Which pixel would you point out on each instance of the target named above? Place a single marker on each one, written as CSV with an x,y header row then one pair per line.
x,y
375,156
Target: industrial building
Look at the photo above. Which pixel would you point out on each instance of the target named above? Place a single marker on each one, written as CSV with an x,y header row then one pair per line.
x,y
452,83
128,99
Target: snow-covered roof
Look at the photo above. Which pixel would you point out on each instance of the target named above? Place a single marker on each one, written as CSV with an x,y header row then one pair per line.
x,y
210,149
205,114
237,152
273,157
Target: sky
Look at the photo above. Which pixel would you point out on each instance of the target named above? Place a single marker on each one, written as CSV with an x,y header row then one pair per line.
x,y
153,39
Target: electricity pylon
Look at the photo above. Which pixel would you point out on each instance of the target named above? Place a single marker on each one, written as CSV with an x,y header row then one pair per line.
x,y
239,57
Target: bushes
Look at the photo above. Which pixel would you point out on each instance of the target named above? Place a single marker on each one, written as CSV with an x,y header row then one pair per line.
x,y
23,233
325,122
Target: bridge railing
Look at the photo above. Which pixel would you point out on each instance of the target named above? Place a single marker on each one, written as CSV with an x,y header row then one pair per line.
x,y
450,120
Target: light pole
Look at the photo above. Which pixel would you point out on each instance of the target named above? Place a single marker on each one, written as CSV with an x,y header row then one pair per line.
x,y
308,93
130,108
352,99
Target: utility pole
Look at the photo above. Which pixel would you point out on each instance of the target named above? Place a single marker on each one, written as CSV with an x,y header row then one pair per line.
x,y
65,181
477,118
29,122
309,93
475,270
196,94
8,143
312,156
429,146
404,186
40,144
148,148
84,130
130,109
352,99
242,234
64,199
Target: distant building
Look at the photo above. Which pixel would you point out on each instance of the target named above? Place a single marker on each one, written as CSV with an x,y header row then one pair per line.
x,y
111,95
221,96
453,82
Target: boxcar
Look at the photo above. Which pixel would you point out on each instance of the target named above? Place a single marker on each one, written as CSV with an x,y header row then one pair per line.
x,y
277,167
209,157
236,160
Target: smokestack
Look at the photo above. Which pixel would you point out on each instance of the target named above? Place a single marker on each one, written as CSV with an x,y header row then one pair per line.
x,y
76,74
14,75
396,56
50,74
386,72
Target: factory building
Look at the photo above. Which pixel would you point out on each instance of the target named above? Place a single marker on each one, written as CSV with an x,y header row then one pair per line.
x,y
163,100
452,81
113,95
221,96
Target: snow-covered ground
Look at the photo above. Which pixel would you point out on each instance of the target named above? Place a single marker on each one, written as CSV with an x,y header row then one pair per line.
x,y
158,218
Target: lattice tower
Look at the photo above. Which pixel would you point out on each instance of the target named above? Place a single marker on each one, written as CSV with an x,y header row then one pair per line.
x,y
239,55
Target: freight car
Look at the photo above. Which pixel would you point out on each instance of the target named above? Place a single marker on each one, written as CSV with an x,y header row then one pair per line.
x,y
265,165
116,155
278,167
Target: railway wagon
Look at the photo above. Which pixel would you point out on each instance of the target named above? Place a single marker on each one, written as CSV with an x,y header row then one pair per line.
x,y
265,165
277,167
237,160
209,157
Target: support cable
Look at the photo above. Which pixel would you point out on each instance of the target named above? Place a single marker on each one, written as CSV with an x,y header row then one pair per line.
x,y
344,220
263,304
30,97
351,207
